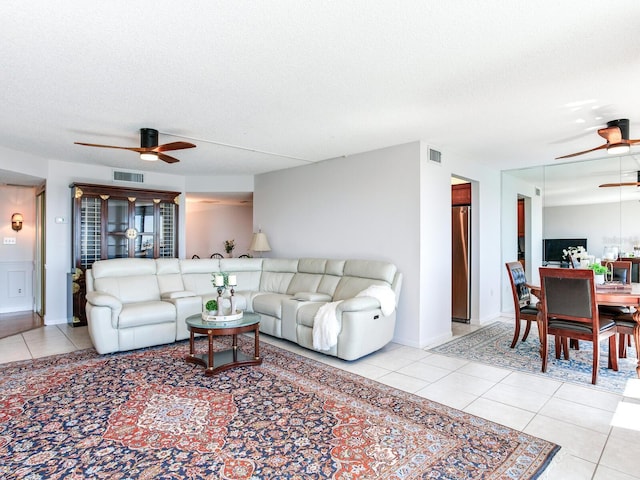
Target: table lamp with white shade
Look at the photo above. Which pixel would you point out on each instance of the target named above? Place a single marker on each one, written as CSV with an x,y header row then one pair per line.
x,y
259,243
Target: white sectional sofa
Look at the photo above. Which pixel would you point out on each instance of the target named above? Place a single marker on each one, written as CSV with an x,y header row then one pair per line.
x,y
135,303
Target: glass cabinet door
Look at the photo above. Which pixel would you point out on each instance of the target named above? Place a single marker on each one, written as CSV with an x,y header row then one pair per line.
x,y
144,223
168,230
117,225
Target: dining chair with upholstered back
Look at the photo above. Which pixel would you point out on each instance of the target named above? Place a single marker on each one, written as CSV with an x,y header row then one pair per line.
x,y
621,315
524,310
620,271
569,310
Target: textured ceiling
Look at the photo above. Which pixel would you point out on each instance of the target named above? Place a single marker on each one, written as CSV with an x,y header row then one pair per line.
x,y
505,83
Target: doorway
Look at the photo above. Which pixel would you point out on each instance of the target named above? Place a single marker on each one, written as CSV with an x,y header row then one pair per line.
x,y
460,250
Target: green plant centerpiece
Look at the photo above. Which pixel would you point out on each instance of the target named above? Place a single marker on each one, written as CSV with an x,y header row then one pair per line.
x,y
599,269
212,307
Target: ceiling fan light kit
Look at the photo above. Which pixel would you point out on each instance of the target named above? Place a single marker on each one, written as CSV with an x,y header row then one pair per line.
x,y
149,149
618,149
617,136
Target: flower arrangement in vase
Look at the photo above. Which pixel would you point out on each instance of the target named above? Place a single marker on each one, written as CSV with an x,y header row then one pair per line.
x,y
229,245
575,254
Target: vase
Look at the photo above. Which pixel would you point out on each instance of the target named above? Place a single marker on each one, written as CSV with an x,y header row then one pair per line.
x,y
600,279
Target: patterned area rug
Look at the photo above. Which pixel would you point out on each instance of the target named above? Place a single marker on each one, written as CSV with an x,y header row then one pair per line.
x,y
491,345
149,414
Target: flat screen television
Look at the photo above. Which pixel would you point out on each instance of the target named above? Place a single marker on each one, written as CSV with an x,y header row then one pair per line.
x,y
553,247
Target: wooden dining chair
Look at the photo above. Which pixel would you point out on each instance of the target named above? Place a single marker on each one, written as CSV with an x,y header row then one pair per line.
x,y
216,255
524,310
621,315
569,310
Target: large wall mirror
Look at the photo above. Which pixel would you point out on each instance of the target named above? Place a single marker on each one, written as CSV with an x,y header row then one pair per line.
x,y
565,201
575,205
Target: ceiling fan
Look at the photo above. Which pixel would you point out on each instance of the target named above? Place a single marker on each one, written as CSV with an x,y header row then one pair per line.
x,y
623,184
617,136
149,149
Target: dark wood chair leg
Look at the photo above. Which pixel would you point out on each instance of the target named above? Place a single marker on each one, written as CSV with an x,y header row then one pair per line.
x,y
526,330
544,341
613,350
565,347
596,361
574,344
622,342
558,342
516,334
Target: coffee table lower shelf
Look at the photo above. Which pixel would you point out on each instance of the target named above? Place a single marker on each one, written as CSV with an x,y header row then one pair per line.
x,y
223,360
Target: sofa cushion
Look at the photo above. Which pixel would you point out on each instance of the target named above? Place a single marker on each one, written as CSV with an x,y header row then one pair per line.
x,y
277,274
205,265
349,287
269,304
130,289
307,313
370,269
304,282
246,270
146,313
169,278
122,267
312,265
241,264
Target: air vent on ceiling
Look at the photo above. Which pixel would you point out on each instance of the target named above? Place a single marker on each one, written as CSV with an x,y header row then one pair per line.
x,y
435,156
120,176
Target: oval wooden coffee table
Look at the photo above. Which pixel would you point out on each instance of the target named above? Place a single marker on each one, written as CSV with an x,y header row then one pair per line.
x,y
215,362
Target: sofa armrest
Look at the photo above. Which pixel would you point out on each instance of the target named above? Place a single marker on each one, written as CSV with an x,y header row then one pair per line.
x,y
357,304
101,299
174,295
312,297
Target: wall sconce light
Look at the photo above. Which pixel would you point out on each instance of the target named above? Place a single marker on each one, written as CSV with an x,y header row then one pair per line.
x,y
16,221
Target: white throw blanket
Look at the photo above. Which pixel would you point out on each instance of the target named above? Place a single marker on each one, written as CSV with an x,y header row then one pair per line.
x,y
325,323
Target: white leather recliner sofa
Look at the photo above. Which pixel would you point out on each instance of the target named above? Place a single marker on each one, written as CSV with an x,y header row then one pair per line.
x,y
135,303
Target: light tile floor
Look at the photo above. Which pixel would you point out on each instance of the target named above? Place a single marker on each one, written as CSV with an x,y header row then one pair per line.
x,y
599,432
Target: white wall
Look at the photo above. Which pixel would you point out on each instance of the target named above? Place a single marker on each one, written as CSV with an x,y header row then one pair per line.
x,y
390,204
209,225
512,189
17,260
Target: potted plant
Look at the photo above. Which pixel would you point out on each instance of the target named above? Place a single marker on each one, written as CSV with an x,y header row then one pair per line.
x,y
212,307
600,271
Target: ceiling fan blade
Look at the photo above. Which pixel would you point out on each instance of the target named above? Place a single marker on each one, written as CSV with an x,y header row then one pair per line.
x,y
624,184
133,149
611,134
601,147
173,146
167,158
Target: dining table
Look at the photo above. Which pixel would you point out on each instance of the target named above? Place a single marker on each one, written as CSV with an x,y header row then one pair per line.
x,y
614,294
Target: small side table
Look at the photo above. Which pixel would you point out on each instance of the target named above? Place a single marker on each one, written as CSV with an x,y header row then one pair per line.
x,y
215,362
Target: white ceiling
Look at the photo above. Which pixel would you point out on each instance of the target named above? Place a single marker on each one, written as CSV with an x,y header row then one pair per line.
x,y
506,83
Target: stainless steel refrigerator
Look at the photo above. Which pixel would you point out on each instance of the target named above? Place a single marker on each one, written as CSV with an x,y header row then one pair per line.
x,y
460,263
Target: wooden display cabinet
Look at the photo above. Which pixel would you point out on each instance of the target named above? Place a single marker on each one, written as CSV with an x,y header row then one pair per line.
x,y
118,222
